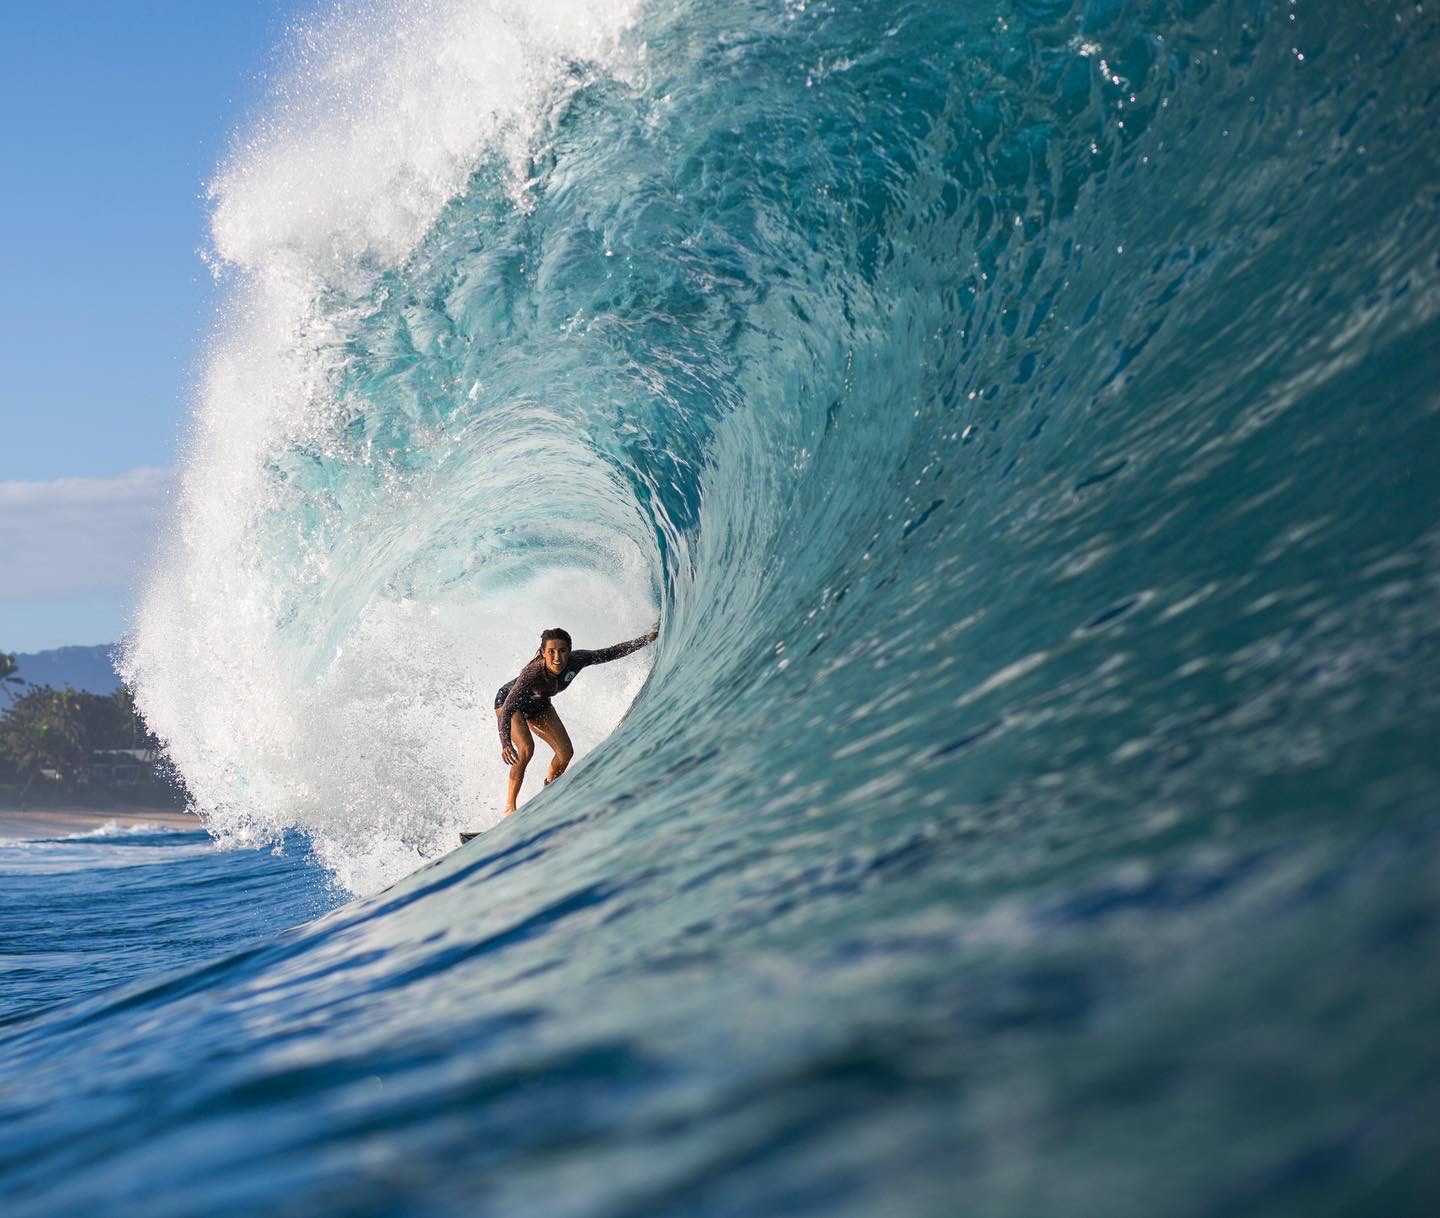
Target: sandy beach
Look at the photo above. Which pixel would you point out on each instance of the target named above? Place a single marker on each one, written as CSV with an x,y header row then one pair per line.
x,y
58,822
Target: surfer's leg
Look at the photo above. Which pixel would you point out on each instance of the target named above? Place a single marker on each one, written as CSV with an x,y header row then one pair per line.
x,y
524,744
548,727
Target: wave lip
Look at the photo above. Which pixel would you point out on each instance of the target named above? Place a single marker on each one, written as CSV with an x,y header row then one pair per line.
x,y
382,117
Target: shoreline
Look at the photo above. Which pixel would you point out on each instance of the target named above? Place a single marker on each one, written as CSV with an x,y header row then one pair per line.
x,y
16,825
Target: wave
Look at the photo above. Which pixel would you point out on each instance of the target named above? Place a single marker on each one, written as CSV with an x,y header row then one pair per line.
x,y
1019,416
539,315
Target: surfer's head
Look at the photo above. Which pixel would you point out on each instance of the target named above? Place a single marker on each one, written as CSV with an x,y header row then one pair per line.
x,y
555,649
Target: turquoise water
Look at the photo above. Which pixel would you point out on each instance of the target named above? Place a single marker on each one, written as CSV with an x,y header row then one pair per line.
x,y
1022,418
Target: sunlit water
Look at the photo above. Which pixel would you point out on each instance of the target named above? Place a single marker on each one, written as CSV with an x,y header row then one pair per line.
x,y
1022,418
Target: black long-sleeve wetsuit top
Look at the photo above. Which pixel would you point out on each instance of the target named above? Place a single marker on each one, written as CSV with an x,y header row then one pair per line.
x,y
531,691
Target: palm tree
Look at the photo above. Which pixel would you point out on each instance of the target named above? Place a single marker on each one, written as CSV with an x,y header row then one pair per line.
x,y
43,731
140,735
9,675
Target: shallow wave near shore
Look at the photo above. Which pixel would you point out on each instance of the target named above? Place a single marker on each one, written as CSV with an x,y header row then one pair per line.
x,y
1023,417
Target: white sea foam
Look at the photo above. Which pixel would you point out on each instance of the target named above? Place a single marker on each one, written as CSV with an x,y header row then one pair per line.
x,y
88,852
110,829
386,111
113,828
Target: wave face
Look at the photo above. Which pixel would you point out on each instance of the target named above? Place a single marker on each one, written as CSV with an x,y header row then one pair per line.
x,y
1021,416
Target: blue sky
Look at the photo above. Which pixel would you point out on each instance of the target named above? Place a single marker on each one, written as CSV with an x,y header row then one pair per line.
x,y
115,115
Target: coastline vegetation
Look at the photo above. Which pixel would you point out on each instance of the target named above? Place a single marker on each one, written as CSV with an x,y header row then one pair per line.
x,y
71,747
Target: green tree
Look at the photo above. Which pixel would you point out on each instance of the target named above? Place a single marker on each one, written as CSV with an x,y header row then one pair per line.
x,y
133,730
105,722
111,721
44,730
9,675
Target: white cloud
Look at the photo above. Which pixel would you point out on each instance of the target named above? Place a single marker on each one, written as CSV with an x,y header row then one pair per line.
x,y
75,536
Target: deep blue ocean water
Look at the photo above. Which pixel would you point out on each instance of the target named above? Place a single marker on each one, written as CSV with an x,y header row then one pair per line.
x,y
92,911
1022,418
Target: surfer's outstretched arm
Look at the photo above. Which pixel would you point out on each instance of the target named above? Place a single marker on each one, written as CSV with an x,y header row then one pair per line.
x,y
583,659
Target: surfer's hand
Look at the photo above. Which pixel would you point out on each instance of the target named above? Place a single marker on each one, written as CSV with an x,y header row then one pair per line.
x,y
653,633
508,755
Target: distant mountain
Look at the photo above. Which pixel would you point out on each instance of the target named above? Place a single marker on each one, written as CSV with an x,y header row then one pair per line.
x,y
86,668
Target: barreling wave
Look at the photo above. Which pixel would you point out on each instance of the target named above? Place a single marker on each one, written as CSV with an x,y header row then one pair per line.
x,y
1021,417
380,512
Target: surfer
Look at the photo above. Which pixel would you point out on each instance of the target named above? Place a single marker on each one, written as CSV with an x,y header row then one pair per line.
x,y
523,705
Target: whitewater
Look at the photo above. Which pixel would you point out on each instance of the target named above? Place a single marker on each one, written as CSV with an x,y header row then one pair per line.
x,y
1021,417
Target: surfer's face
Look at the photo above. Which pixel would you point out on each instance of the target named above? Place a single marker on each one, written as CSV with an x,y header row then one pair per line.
x,y
556,652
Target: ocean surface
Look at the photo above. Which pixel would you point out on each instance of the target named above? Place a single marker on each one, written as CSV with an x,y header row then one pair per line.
x,y
1022,417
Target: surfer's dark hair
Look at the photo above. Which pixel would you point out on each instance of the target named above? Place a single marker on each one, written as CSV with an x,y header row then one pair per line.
x,y
553,633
